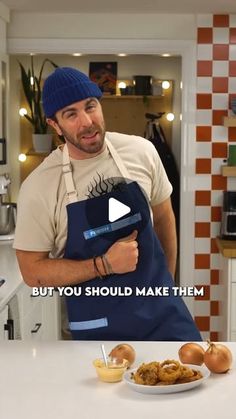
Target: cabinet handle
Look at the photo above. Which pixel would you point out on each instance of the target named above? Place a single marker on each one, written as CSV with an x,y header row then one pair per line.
x,y
36,327
9,328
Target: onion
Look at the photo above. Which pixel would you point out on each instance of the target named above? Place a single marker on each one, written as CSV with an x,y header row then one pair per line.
x,y
123,351
191,353
218,358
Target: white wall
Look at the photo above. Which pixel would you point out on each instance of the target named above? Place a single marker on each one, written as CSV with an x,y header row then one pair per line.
x,y
107,26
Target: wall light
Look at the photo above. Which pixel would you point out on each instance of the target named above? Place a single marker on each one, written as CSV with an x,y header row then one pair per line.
x,y
165,85
22,157
170,117
122,55
77,54
23,111
165,55
122,85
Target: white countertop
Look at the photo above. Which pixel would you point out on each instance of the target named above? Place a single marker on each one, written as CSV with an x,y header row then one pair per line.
x,y
57,380
9,270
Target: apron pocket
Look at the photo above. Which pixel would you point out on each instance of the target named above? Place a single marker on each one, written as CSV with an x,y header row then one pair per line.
x,y
89,324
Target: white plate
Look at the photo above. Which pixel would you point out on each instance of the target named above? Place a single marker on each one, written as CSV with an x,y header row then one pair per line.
x,y
173,388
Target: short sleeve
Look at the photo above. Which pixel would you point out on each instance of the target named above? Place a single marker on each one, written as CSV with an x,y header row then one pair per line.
x,y
34,227
161,186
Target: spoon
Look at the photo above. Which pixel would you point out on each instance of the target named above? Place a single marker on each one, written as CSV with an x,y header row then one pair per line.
x,y
104,355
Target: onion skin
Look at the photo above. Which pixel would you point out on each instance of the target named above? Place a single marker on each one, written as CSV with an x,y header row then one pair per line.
x,y
124,351
191,353
218,358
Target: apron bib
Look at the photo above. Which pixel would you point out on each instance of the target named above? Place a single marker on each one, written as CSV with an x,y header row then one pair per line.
x,y
97,313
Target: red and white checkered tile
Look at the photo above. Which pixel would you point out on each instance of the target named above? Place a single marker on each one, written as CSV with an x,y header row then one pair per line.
x,y
216,84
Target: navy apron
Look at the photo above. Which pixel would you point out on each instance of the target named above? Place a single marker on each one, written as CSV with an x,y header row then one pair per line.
x,y
97,313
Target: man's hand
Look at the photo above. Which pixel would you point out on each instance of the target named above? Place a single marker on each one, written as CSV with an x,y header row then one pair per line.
x,y
123,254
39,270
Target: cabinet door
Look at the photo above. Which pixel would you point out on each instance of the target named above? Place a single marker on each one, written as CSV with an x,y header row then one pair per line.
x,y
233,312
39,316
26,301
32,324
3,321
233,270
225,306
51,317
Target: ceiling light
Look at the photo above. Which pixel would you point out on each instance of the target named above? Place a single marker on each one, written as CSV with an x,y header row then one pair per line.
x,y
165,55
77,54
122,55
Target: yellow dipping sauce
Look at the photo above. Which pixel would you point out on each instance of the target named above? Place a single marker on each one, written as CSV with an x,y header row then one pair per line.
x,y
111,374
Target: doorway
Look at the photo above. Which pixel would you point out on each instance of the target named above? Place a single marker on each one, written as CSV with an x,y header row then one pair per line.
x,y
186,50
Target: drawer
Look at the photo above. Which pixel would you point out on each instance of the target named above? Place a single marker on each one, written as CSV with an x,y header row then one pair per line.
x,y
26,301
32,324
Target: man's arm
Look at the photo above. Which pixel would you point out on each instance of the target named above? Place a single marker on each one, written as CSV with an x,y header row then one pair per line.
x,y
164,225
39,270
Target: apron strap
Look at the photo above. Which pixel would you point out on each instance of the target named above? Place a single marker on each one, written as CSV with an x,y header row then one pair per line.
x,y
72,195
122,168
117,160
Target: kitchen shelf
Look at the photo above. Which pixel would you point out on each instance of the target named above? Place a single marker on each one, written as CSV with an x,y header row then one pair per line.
x,y
229,121
226,247
228,171
35,153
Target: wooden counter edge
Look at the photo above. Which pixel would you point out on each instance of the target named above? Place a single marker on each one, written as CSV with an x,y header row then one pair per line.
x,y
226,247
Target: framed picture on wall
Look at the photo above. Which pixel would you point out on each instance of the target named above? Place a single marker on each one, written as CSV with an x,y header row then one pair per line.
x,y
105,75
3,151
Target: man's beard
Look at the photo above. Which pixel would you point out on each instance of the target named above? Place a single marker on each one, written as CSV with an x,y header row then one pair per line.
x,y
80,143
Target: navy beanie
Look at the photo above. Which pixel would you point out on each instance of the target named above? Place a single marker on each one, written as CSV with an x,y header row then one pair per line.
x,y
65,86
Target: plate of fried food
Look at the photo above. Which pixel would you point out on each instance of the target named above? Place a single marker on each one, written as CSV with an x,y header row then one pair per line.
x,y
169,376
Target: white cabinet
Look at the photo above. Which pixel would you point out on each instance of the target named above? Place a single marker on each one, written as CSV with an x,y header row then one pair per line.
x,y
228,303
26,317
39,316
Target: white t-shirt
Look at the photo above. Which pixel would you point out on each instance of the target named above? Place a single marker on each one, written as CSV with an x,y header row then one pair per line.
x,y
41,207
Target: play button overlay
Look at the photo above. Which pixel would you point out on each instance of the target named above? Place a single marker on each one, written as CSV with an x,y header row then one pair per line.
x,y
116,209
113,209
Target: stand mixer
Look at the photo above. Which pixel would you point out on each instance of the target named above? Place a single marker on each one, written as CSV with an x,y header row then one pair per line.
x,y
7,211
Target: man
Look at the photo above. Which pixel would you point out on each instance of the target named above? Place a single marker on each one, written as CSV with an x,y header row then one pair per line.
x,y
73,239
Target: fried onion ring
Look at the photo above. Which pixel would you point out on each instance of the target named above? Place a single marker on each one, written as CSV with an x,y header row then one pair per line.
x,y
170,371
147,374
186,372
196,375
165,373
